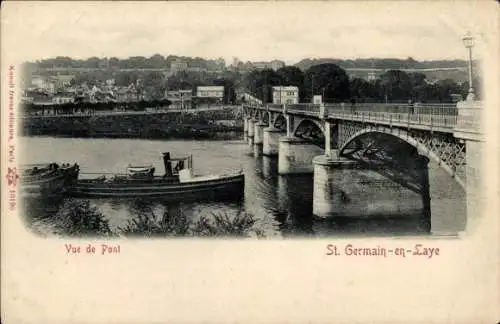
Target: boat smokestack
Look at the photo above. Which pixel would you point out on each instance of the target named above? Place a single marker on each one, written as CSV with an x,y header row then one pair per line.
x,y
168,164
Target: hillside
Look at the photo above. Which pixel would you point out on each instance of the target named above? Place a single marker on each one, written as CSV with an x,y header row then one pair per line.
x,y
384,63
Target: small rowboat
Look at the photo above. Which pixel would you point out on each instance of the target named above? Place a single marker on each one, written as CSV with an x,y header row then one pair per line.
x,y
44,180
178,183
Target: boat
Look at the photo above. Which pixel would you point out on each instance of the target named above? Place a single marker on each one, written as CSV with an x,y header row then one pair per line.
x,y
177,183
47,179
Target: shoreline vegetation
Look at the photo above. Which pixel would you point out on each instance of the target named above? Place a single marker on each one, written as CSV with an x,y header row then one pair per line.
x,y
78,218
220,125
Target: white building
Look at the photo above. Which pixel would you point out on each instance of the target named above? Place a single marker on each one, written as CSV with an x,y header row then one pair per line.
x,y
178,66
62,99
285,95
62,81
317,99
274,65
210,92
43,83
180,99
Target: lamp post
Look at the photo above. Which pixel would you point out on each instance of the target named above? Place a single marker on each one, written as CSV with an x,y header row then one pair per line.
x,y
468,40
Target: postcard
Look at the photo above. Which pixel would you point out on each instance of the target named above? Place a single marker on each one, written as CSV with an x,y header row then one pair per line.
x,y
250,162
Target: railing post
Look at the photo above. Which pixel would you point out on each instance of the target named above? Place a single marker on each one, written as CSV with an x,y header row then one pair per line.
x,y
323,112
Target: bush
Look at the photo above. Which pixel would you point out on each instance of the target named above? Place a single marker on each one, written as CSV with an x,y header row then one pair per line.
x,y
146,223
223,225
78,218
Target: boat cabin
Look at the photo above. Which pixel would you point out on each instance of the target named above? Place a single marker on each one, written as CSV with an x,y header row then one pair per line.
x,y
174,166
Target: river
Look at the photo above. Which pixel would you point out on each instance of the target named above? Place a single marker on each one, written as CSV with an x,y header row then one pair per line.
x,y
281,205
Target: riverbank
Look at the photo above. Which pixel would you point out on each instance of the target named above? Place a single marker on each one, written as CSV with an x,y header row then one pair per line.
x,y
223,124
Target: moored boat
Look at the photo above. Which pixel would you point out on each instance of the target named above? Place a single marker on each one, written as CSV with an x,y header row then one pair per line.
x,y
177,183
44,180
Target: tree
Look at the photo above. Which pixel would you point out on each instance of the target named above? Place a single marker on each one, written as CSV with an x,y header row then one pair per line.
x,y
229,91
156,61
329,79
419,91
292,76
396,85
360,89
445,89
92,62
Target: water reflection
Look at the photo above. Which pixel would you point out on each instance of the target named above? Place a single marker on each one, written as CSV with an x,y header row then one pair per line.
x,y
281,205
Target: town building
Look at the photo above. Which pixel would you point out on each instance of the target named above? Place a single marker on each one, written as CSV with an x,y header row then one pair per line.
x,y
285,95
180,99
317,99
274,65
196,69
63,98
62,81
210,92
40,82
178,66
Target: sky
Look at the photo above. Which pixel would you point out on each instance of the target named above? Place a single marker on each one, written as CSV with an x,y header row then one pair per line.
x,y
289,31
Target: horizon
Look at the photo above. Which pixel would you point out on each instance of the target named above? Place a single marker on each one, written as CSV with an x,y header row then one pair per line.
x,y
228,63
250,31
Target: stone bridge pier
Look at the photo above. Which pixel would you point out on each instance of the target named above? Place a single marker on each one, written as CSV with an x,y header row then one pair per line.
x,y
245,126
251,130
348,188
295,155
258,138
271,138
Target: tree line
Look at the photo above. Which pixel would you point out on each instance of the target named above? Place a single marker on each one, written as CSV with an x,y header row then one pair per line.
x,y
383,63
334,85
156,61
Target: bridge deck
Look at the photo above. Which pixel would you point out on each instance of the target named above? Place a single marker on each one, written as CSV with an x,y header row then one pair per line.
x,y
430,117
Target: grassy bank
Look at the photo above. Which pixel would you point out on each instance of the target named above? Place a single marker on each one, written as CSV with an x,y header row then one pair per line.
x,y
78,218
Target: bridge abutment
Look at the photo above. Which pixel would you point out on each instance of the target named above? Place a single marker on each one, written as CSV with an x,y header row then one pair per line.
x,y
271,141
296,155
329,181
347,188
469,129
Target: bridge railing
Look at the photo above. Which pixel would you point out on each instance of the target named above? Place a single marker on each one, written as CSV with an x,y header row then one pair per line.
x,y
275,107
431,115
304,107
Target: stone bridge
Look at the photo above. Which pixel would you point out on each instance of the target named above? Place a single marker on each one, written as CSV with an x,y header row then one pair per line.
x,y
397,141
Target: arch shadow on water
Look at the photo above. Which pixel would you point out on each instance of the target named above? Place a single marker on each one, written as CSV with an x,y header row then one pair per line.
x,y
283,204
293,212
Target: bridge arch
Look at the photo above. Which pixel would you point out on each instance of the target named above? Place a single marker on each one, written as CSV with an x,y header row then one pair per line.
x,y
409,139
279,121
311,130
266,117
306,122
